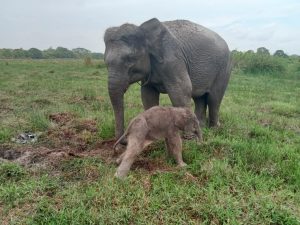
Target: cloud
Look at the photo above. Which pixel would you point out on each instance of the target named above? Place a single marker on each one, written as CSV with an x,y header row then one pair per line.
x,y
247,24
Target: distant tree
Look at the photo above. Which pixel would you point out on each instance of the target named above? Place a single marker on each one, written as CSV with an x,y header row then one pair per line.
x,y
81,52
96,55
6,53
262,51
49,53
234,51
35,53
295,57
250,52
61,52
20,53
280,53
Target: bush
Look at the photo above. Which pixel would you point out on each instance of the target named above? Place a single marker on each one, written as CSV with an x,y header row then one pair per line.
x,y
264,64
298,67
251,62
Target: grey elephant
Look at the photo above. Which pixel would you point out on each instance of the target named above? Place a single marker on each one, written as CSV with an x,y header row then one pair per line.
x,y
154,124
179,58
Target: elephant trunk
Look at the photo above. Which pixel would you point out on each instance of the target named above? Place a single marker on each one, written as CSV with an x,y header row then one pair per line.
x,y
116,89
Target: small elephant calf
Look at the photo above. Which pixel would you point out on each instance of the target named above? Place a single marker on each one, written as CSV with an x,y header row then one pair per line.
x,y
153,124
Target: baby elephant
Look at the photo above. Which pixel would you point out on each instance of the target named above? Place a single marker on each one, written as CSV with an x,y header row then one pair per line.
x,y
153,124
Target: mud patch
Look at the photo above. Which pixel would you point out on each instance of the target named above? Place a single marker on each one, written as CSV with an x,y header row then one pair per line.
x,y
41,156
71,138
151,165
68,131
61,118
46,158
104,151
9,154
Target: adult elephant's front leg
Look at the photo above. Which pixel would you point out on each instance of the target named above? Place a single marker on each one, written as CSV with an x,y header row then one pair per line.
x,y
180,95
178,85
150,97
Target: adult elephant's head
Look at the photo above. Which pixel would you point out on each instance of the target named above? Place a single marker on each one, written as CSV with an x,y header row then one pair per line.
x,y
130,51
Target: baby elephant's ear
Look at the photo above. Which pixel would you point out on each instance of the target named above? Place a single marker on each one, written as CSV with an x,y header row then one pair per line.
x,y
189,115
179,119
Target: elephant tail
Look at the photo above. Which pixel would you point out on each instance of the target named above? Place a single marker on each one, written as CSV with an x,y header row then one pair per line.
x,y
121,139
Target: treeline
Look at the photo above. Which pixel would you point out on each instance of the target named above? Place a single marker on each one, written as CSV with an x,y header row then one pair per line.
x,y
50,53
262,61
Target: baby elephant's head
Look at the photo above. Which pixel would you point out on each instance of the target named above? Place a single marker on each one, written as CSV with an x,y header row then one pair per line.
x,y
191,128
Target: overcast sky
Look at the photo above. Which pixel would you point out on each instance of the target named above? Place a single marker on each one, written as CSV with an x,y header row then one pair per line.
x,y
247,24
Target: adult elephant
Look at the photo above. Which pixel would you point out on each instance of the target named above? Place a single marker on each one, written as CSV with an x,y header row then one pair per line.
x,y
180,58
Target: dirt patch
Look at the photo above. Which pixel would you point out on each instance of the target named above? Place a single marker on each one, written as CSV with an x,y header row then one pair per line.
x,y
9,154
68,131
89,125
151,165
43,157
103,150
61,118
70,138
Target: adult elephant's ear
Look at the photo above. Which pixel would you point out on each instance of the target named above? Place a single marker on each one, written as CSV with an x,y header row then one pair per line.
x,y
155,34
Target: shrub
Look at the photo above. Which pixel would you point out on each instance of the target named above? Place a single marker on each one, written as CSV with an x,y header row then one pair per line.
x,y
298,67
251,62
264,64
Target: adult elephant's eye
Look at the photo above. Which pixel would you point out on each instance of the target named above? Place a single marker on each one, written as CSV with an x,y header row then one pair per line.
x,y
130,59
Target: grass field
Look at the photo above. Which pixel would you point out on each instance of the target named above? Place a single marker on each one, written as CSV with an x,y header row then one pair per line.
x,y
245,172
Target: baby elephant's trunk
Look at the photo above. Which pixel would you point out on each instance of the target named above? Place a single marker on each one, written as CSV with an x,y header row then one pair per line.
x,y
199,137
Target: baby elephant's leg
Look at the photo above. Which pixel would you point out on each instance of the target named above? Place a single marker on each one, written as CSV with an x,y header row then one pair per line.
x,y
120,158
168,147
145,144
174,146
134,147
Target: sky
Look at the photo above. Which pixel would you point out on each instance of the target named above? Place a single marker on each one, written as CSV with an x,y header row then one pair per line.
x,y
244,24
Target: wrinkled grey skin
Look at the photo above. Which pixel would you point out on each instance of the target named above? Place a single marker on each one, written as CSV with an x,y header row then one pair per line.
x,y
154,124
180,58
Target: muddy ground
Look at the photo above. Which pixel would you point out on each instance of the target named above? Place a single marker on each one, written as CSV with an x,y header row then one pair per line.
x,y
70,138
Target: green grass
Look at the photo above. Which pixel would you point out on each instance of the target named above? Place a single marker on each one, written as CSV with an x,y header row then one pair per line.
x,y
245,172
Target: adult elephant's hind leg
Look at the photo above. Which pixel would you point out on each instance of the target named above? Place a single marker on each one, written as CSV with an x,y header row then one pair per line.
x,y
216,95
150,97
213,108
200,109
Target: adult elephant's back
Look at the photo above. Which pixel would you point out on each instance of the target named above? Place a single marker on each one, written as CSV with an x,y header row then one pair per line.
x,y
206,55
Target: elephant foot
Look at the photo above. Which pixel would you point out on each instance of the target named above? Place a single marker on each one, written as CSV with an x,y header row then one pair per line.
x,y
182,164
119,159
202,123
214,124
121,174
